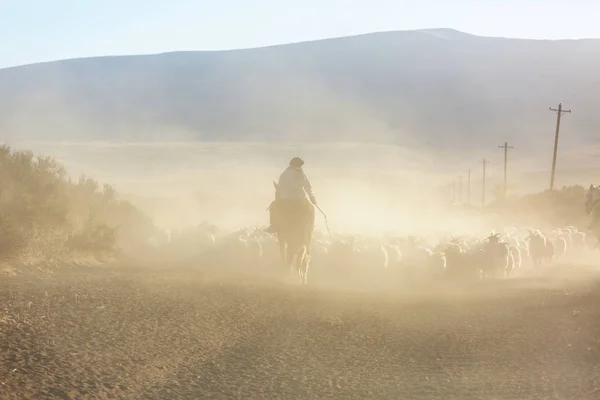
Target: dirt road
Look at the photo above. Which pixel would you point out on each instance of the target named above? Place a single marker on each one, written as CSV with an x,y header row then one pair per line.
x,y
135,334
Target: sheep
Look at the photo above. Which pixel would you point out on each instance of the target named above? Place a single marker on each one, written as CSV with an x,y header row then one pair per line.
x,y
319,252
462,264
497,261
560,245
461,243
253,253
374,256
437,265
454,263
394,255
579,240
342,253
591,242
550,253
524,249
361,258
566,235
232,252
510,266
571,229
422,254
515,254
537,248
416,261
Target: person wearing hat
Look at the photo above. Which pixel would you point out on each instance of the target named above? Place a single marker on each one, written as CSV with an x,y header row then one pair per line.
x,y
292,191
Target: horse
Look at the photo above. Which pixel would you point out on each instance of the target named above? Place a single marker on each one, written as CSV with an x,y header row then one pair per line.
x,y
592,207
294,236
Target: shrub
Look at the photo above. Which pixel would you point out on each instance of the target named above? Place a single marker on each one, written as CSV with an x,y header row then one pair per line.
x,y
44,214
550,208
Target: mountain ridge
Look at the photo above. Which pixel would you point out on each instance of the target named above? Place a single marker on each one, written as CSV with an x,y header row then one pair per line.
x,y
431,87
436,32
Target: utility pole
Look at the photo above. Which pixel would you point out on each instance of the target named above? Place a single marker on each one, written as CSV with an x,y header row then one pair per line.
x,y
453,190
505,147
559,111
460,189
483,184
469,187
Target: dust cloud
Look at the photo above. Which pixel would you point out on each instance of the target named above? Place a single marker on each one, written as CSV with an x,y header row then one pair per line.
x,y
205,324
178,331
363,188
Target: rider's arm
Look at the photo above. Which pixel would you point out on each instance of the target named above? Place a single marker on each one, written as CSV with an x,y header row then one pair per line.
x,y
308,189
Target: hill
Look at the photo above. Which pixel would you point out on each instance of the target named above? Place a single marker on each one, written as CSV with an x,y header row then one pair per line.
x,y
435,88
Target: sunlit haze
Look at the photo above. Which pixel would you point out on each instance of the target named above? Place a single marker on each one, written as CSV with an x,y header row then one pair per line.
x,y
158,239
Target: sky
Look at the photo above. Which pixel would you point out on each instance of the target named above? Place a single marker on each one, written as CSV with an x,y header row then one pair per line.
x,y
45,30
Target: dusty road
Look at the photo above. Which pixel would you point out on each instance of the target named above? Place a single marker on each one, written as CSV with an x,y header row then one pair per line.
x,y
134,334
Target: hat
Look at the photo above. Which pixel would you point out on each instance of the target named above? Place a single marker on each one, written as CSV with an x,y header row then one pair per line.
x,y
296,162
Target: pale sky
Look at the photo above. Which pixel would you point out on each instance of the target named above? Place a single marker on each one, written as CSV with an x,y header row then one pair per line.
x,y
45,30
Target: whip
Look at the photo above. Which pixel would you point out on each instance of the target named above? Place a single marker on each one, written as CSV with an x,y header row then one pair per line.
x,y
326,223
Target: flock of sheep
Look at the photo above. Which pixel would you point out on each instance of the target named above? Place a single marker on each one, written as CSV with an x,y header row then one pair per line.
x,y
492,257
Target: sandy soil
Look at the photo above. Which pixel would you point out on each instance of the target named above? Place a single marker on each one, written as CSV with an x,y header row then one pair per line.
x,y
165,334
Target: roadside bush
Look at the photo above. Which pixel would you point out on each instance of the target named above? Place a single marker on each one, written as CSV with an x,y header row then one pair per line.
x,y
550,208
43,214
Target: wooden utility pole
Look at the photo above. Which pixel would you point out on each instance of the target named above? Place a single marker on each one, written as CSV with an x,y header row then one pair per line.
x,y
559,111
483,184
460,190
453,191
469,187
505,147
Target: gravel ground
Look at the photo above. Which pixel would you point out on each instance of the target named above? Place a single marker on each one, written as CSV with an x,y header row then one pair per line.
x,y
164,334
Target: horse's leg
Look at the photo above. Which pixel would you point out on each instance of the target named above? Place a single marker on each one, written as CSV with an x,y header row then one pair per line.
x,y
295,257
308,261
291,257
305,266
299,262
282,248
306,246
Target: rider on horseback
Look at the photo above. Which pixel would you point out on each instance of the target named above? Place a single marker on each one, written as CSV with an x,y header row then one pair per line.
x,y
291,193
